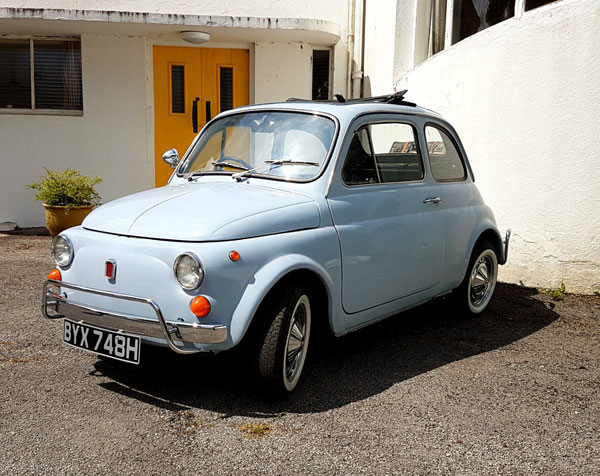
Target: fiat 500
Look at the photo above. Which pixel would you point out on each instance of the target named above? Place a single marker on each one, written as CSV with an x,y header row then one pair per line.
x,y
278,218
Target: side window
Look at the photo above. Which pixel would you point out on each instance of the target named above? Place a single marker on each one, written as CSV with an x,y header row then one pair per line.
x,y
359,167
396,152
446,163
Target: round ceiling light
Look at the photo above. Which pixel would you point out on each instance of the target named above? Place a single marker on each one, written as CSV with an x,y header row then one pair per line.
x,y
195,37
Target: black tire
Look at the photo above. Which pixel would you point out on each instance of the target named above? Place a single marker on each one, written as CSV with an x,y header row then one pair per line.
x,y
283,340
475,292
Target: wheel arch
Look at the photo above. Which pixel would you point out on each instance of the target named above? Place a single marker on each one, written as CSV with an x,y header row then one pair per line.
x,y
270,278
491,235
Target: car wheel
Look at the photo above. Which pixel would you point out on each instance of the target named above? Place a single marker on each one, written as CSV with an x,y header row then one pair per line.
x,y
477,288
283,343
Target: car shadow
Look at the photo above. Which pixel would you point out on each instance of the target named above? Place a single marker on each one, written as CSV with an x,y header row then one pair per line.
x,y
339,370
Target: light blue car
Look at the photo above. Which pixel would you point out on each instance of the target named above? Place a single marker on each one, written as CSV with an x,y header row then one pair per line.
x,y
280,217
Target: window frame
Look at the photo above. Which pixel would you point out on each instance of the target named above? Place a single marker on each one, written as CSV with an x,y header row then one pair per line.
x,y
43,112
440,127
386,121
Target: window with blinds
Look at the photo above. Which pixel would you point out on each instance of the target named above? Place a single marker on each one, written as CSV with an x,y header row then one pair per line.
x,y
320,75
226,88
178,89
38,74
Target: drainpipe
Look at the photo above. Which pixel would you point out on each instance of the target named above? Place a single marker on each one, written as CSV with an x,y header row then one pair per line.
x,y
359,53
351,12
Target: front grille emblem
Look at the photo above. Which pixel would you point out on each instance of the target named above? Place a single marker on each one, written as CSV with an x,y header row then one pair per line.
x,y
110,269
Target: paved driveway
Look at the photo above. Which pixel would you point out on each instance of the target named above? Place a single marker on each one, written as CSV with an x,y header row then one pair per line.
x,y
514,392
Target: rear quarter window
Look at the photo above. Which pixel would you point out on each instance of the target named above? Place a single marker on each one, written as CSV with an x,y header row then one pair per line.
x,y
444,158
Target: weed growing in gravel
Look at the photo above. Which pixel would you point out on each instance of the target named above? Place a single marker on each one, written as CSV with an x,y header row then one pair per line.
x,y
187,422
256,430
557,293
15,360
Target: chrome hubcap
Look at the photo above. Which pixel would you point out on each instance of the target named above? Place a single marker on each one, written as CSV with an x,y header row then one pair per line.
x,y
481,280
297,339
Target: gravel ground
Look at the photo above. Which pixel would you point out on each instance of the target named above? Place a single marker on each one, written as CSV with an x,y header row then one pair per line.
x,y
514,392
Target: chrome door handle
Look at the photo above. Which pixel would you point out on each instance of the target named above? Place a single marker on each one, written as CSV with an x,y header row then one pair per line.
x,y
432,200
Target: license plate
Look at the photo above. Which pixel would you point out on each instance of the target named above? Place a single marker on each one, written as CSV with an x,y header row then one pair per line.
x,y
116,345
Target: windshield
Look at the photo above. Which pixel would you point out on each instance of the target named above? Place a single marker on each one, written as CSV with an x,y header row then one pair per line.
x,y
286,145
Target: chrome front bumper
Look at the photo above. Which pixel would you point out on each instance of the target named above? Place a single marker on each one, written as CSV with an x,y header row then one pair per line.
x,y
176,334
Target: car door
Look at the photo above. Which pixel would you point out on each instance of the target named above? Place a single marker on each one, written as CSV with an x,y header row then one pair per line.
x,y
385,211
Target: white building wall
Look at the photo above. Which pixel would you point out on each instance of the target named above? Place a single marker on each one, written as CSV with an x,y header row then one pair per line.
x,y
379,47
524,96
282,70
331,10
109,140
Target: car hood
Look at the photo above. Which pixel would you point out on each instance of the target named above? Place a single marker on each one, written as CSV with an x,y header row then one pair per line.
x,y
214,211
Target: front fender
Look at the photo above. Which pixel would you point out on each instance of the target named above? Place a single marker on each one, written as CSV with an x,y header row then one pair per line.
x,y
264,280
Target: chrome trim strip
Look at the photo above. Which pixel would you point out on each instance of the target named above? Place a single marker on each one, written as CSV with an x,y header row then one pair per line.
x,y
161,328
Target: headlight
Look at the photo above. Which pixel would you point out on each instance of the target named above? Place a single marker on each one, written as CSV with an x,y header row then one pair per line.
x,y
62,250
188,271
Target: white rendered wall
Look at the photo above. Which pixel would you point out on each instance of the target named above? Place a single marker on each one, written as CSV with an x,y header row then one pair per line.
x,y
379,47
524,96
282,70
331,10
109,140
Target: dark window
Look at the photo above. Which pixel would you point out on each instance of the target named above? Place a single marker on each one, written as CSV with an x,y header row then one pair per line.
x,y
531,4
56,68
320,75
396,152
15,75
444,158
471,16
226,88
178,89
437,27
359,167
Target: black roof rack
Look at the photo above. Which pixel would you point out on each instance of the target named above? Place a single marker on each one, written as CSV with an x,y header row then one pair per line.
x,y
396,98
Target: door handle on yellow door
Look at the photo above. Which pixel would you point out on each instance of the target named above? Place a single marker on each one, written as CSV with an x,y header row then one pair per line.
x,y
195,115
208,118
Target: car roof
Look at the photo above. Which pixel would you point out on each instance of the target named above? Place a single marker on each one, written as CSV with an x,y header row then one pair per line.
x,y
347,109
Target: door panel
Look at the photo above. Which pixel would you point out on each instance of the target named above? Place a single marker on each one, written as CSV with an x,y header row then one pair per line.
x,y
391,243
214,79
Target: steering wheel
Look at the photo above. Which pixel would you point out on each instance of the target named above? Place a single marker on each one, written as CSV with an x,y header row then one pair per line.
x,y
233,160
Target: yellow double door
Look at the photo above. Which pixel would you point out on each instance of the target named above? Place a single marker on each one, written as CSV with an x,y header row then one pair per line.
x,y
191,86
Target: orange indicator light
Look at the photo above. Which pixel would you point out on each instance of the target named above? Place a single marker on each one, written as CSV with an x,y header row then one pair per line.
x,y
234,255
200,306
55,275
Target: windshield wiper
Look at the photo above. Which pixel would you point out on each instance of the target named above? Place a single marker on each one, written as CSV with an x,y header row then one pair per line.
x,y
270,163
230,165
292,162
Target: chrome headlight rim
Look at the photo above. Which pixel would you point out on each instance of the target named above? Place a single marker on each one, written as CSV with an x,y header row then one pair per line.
x,y
200,270
67,240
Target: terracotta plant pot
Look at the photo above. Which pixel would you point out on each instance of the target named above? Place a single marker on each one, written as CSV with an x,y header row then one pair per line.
x,y
61,218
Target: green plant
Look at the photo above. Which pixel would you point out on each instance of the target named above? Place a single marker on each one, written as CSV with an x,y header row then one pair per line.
x,y
557,293
66,189
256,430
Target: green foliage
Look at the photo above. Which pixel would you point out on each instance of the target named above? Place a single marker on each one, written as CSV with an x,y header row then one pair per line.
x,y
557,294
66,189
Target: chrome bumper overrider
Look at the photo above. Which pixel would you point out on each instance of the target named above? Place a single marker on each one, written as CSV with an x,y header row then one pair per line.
x,y
56,306
505,247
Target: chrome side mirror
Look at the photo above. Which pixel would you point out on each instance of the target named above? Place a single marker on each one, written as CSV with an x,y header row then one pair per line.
x,y
171,157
